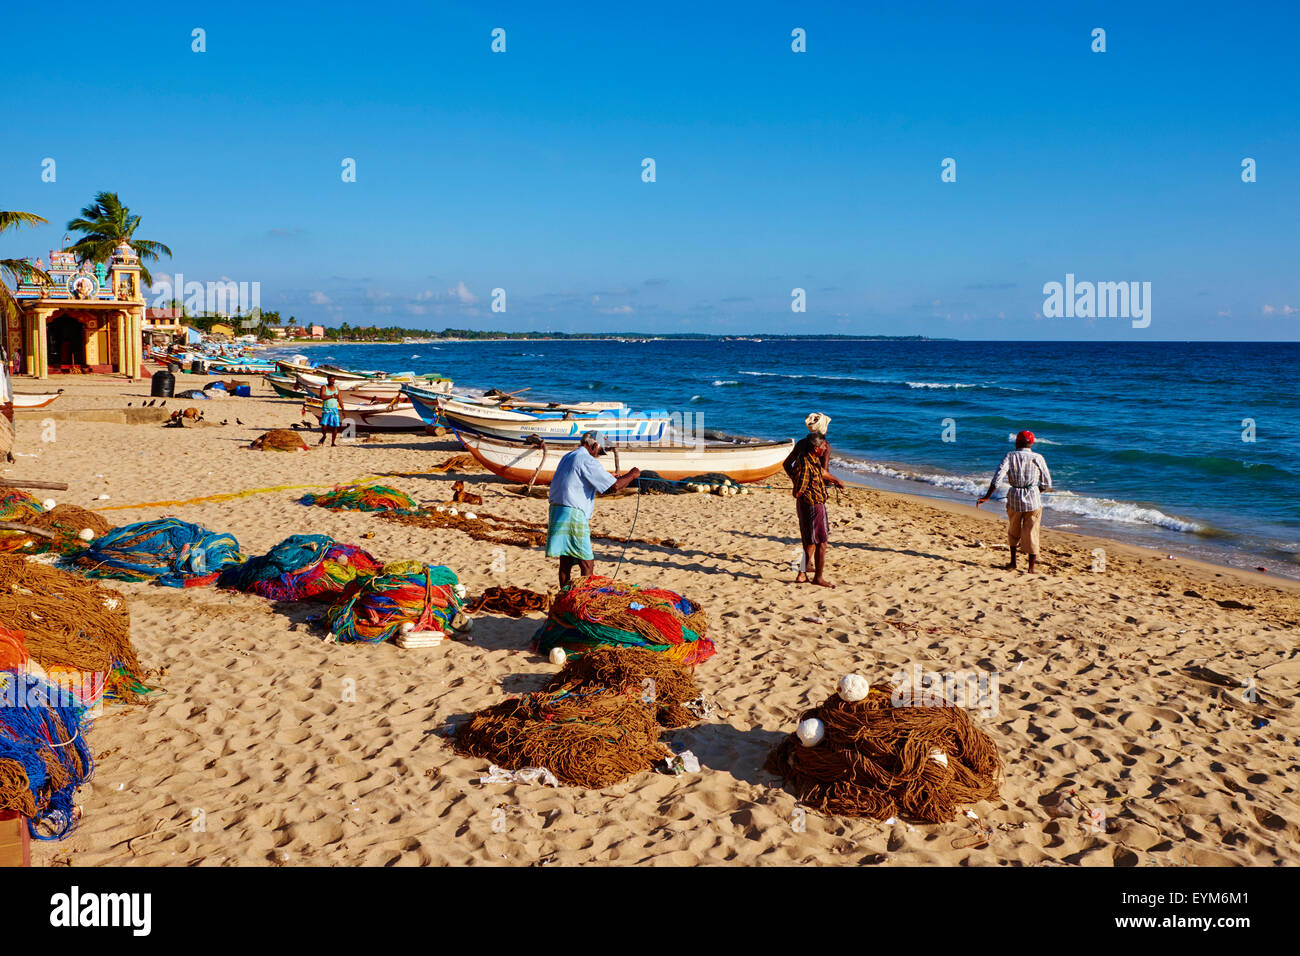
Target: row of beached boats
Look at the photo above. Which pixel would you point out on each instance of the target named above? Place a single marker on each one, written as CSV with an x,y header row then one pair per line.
x,y
522,439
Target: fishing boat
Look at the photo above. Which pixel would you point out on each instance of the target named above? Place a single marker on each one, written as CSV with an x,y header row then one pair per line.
x,y
298,365
24,400
529,462
371,389
372,416
500,405
286,386
559,426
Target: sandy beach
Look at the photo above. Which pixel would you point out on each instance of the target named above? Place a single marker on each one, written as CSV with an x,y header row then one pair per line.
x,y
1130,686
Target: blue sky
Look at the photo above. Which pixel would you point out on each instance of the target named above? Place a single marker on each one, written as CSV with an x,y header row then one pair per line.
x,y
774,170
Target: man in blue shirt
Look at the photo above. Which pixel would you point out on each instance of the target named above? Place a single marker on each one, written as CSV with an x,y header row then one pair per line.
x,y
578,479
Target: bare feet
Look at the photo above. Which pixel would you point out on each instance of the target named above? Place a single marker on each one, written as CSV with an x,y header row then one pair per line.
x,y
822,583
801,578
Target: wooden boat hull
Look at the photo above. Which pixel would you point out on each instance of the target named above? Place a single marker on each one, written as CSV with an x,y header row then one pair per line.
x,y
618,428
35,400
285,387
377,416
522,462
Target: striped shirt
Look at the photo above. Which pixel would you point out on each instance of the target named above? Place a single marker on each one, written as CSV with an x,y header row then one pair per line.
x,y
1027,474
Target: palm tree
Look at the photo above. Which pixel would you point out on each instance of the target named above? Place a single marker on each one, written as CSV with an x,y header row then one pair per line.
x,y
15,268
106,224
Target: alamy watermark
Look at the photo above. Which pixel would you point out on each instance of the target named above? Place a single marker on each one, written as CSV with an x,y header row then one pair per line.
x,y
1098,300
968,689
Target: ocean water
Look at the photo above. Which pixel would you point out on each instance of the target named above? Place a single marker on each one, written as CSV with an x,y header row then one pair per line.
x,y
1192,448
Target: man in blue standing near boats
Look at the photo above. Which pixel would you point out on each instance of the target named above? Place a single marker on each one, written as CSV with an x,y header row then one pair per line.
x,y
578,479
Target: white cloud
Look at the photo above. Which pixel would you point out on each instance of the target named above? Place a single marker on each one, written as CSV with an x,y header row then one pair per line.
x,y
462,293
1280,310
318,298
617,310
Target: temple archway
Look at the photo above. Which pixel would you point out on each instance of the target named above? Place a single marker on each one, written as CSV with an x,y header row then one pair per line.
x,y
65,341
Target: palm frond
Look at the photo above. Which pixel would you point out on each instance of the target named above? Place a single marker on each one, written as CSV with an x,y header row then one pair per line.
x,y
10,220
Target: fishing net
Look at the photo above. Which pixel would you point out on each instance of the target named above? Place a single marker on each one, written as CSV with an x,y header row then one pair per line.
x,y
44,756
300,567
881,760
595,611
169,551
656,679
521,534
71,627
456,463
16,505
653,483
363,498
279,439
510,601
591,739
65,522
424,595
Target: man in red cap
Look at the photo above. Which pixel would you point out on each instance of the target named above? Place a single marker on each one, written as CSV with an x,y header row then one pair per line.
x,y
1028,476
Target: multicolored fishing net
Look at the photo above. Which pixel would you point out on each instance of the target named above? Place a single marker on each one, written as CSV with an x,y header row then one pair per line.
x,y
596,611
172,552
425,595
363,498
302,566
44,756
16,505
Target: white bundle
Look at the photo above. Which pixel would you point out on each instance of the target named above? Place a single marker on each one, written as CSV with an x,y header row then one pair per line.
x,y
853,688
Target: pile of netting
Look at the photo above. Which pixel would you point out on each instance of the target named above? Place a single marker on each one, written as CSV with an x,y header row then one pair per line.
x,y
652,482
67,523
405,592
510,601
363,498
17,505
593,738
302,566
456,463
169,551
44,756
279,439
73,629
881,757
595,611
656,679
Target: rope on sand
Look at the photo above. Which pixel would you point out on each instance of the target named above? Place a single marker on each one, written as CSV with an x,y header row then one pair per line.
x,y
656,679
590,739
884,755
70,625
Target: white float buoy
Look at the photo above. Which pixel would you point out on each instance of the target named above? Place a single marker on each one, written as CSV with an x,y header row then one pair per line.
x,y
558,657
939,757
407,627
471,516
85,534
453,512
48,504
853,688
810,732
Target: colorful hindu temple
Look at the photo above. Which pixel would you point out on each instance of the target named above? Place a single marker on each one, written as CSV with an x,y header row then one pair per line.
x,y
86,318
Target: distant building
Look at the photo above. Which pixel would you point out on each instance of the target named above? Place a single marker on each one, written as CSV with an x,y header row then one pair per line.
x,y
318,331
220,328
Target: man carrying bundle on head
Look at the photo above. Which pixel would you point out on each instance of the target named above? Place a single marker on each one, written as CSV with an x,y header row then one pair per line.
x,y
578,479
1028,476
808,467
